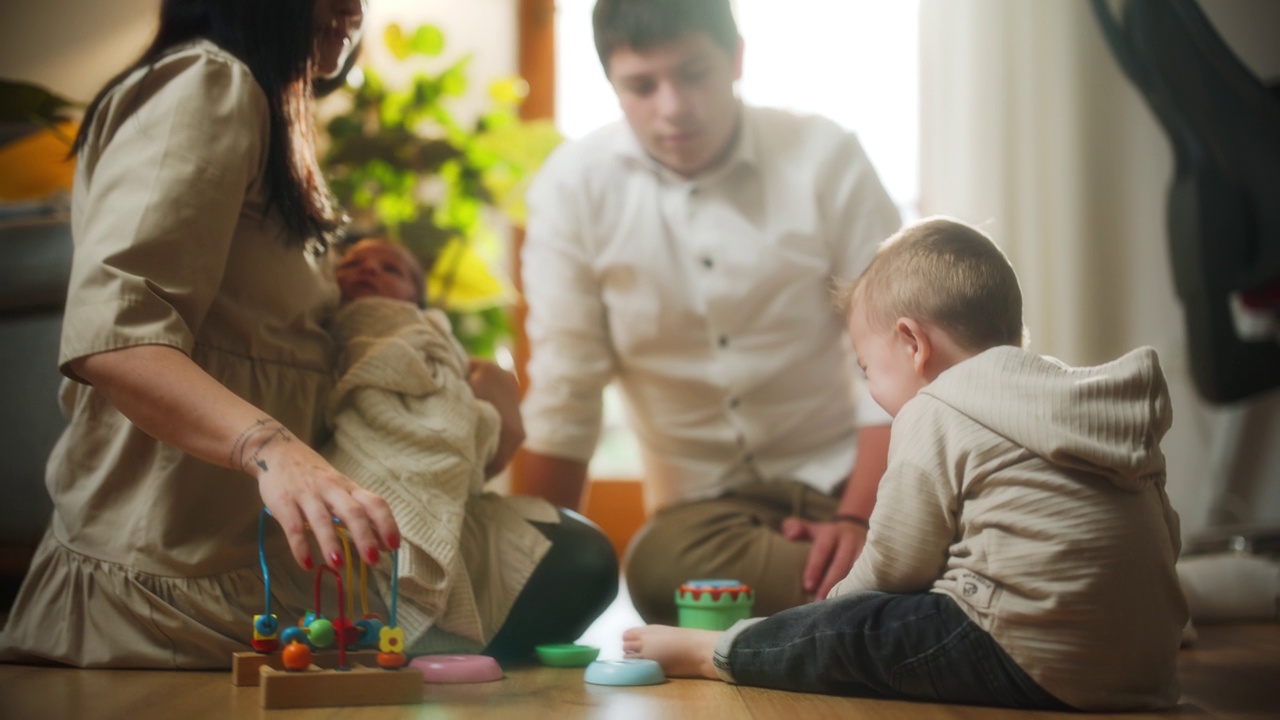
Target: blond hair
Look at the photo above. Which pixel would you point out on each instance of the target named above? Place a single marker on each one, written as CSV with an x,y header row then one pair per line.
x,y
946,273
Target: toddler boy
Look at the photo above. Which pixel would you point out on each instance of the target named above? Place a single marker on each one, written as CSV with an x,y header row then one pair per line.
x,y
1022,548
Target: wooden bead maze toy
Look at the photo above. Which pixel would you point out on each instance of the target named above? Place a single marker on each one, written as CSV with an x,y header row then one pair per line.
x,y
295,667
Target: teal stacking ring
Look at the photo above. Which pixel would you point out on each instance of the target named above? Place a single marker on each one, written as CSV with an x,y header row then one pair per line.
x,y
625,672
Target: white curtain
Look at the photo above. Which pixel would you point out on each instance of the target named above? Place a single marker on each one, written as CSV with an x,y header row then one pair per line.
x,y
1030,130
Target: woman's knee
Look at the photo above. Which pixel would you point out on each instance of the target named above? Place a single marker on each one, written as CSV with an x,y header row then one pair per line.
x,y
582,555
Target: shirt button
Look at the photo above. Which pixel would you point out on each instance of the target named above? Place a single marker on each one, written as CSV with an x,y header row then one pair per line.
x,y
748,457
733,402
723,341
707,263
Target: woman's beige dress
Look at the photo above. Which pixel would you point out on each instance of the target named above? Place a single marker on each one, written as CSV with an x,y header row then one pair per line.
x,y
151,558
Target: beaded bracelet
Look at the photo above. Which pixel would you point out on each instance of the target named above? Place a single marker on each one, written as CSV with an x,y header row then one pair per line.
x,y
859,521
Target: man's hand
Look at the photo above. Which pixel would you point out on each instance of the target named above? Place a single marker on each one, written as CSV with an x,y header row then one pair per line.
x,y
499,388
835,546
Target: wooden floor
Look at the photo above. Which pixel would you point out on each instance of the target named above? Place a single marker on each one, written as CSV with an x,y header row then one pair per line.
x,y
1233,672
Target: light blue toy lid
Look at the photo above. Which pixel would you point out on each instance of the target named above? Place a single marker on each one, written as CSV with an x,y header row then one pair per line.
x,y
713,583
628,671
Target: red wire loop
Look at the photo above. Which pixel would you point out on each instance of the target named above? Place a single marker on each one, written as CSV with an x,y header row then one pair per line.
x,y
342,617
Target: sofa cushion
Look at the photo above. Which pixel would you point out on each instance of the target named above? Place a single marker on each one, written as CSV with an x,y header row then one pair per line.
x,y
37,265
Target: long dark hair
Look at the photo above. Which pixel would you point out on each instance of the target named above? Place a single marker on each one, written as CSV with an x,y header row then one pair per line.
x,y
274,39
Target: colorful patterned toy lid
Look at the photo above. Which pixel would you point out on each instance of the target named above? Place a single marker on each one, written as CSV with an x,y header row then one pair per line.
x,y
714,591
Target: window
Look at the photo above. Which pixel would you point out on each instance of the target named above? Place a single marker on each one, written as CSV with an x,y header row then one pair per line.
x,y
854,61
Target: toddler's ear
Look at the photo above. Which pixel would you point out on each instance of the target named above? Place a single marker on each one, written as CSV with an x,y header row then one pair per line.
x,y
915,342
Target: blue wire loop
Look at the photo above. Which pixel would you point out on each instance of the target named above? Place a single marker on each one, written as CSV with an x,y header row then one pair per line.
x,y
262,559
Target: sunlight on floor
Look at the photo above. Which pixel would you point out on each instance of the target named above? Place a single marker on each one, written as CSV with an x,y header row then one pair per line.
x,y
606,632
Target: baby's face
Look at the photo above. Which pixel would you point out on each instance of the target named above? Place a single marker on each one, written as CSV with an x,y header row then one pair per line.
x,y
376,268
886,360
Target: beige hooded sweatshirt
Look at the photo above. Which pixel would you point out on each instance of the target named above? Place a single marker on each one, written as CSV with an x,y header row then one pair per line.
x,y
1033,493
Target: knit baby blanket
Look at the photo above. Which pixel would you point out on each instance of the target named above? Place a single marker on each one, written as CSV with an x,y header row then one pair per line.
x,y
407,427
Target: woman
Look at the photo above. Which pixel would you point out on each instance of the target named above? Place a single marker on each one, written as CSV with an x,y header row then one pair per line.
x,y
195,349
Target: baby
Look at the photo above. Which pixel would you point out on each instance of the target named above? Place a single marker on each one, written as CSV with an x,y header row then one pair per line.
x,y
418,422
1022,548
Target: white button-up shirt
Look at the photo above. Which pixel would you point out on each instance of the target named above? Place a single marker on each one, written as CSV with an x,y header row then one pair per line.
x,y
708,300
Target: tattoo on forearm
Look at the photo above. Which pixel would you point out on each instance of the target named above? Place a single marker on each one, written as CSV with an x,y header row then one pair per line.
x,y
247,450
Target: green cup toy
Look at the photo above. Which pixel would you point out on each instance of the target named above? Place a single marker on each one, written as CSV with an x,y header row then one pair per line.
x,y
713,604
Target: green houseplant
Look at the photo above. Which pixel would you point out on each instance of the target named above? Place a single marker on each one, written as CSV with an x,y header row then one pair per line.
x,y
401,163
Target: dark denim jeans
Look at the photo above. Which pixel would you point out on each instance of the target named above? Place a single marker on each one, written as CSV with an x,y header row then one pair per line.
x,y
915,647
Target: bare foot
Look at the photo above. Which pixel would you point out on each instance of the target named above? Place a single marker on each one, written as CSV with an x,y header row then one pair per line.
x,y
682,652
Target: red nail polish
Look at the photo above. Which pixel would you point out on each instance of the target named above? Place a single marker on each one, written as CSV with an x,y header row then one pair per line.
x,y
394,541
308,563
372,555
335,559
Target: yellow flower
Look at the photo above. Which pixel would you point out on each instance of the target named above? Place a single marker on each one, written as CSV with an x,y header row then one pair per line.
x,y
391,640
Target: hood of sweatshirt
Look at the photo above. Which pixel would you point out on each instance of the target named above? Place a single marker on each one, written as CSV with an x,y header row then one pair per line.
x,y
1108,419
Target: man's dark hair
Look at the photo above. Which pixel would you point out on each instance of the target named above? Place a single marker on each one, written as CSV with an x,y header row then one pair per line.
x,y
643,24
274,39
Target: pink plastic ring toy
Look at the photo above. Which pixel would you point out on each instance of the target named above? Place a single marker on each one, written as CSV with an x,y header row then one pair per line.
x,y
457,668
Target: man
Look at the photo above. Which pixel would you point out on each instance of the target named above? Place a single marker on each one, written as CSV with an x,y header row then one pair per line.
x,y
687,254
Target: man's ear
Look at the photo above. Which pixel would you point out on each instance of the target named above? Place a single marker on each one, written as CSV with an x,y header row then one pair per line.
x,y
915,341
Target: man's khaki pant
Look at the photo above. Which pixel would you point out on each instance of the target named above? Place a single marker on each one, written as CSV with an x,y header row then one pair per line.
x,y
735,536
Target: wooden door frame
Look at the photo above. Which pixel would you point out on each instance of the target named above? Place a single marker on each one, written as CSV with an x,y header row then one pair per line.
x,y
537,58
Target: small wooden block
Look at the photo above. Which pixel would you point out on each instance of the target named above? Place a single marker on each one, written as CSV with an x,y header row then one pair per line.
x,y
245,665
361,685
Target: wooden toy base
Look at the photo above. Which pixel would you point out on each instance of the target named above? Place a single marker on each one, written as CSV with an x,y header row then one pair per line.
x,y
245,665
361,685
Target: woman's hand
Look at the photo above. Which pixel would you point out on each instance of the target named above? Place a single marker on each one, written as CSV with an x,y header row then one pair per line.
x,y
300,488
173,400
499,388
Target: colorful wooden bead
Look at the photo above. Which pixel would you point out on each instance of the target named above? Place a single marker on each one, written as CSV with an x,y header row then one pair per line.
x,y
265,645
391,660
293,634
320,632
391,640
296,656
265,633
347,631
265,626
369,626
